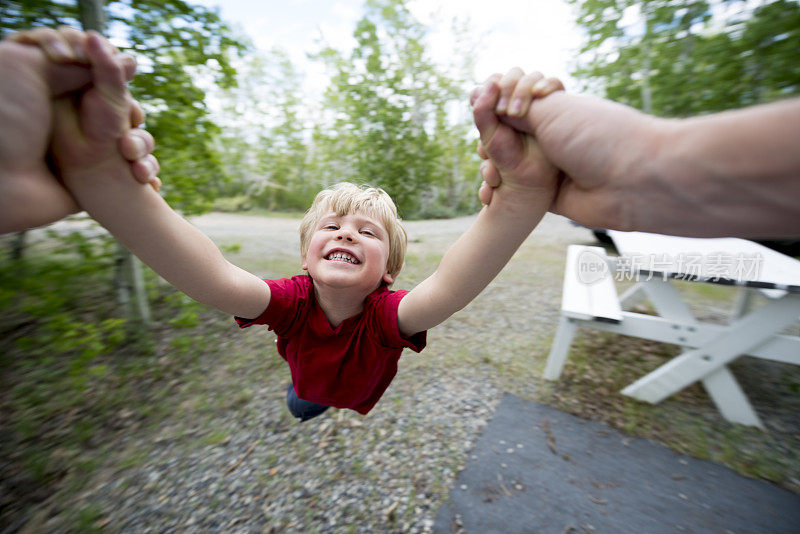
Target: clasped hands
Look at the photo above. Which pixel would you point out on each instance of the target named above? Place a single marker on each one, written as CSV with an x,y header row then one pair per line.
x,y
510,154
41,68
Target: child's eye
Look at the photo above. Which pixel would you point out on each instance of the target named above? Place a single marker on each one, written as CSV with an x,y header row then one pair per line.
x,y
330,226
368,232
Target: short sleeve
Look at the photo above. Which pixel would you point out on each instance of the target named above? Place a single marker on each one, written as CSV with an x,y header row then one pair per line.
x,y
287,303
385,307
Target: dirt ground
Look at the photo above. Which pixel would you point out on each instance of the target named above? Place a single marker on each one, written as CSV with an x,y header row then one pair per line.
x,y
227,456
508,330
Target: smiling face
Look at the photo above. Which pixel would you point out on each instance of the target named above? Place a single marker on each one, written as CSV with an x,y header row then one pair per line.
x,y
345,206
349,251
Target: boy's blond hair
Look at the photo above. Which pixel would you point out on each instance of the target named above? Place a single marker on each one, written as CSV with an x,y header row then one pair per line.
x,y
345,198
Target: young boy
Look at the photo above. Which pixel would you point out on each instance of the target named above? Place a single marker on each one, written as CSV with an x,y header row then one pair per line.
x,y
339,327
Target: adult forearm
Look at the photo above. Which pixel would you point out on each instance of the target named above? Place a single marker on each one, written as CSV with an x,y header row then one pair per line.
x,y
32,199
733,173
142,221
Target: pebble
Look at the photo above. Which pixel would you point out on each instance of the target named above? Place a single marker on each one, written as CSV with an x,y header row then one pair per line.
x,y
340,471
401,459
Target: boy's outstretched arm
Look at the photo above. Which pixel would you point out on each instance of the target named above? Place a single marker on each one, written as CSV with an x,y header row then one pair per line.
x,y
518,204
85,147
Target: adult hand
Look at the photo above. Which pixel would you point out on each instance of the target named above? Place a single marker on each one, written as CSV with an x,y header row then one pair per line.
x,y
516,91
86,130
733,173
600,148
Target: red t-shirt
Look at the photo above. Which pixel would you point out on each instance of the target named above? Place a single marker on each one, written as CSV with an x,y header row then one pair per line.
x,y
349,366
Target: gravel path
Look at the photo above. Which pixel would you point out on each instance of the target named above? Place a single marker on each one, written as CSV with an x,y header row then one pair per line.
x,y
233,460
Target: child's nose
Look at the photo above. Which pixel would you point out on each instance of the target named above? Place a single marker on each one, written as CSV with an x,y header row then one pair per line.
x,y
344,235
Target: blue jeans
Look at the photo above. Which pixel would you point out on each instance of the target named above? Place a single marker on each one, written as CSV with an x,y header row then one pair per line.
x,y
302,409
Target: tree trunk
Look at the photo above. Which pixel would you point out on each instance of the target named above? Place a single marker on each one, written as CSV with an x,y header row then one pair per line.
x,y
129,288
92,16
647,98
18,245
128,278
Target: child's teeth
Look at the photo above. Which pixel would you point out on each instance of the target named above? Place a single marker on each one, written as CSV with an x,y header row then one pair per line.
x,y
343,257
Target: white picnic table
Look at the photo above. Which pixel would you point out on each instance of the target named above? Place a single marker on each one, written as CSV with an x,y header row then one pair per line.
x,y
652,261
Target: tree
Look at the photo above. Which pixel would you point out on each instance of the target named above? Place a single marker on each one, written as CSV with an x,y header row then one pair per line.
x,y
386,117
676,58
770,47
264,133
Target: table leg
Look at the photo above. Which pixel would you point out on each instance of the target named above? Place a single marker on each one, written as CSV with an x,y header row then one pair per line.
x,y
558,352
667,301
744,300
739,338
721,385
730,399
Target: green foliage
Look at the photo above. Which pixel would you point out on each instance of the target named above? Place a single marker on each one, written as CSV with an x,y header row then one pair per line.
x,y
387,119
233,204
16,14
53,356
67,367
233,248
388,123
263,141
679,58
180,43
87,518
176,45
187,315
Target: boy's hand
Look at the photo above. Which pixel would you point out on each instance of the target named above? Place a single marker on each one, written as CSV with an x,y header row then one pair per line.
x,y
68,46
514,159
516,92
86,132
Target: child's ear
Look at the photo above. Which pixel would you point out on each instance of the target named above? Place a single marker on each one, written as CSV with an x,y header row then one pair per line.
x,y
304,264
388,278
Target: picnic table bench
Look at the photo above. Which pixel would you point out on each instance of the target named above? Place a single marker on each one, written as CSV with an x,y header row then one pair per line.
x,y
590,299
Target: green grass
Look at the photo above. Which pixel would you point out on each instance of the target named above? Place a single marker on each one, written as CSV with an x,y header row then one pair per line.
x,y
216,437
73,378
719,294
